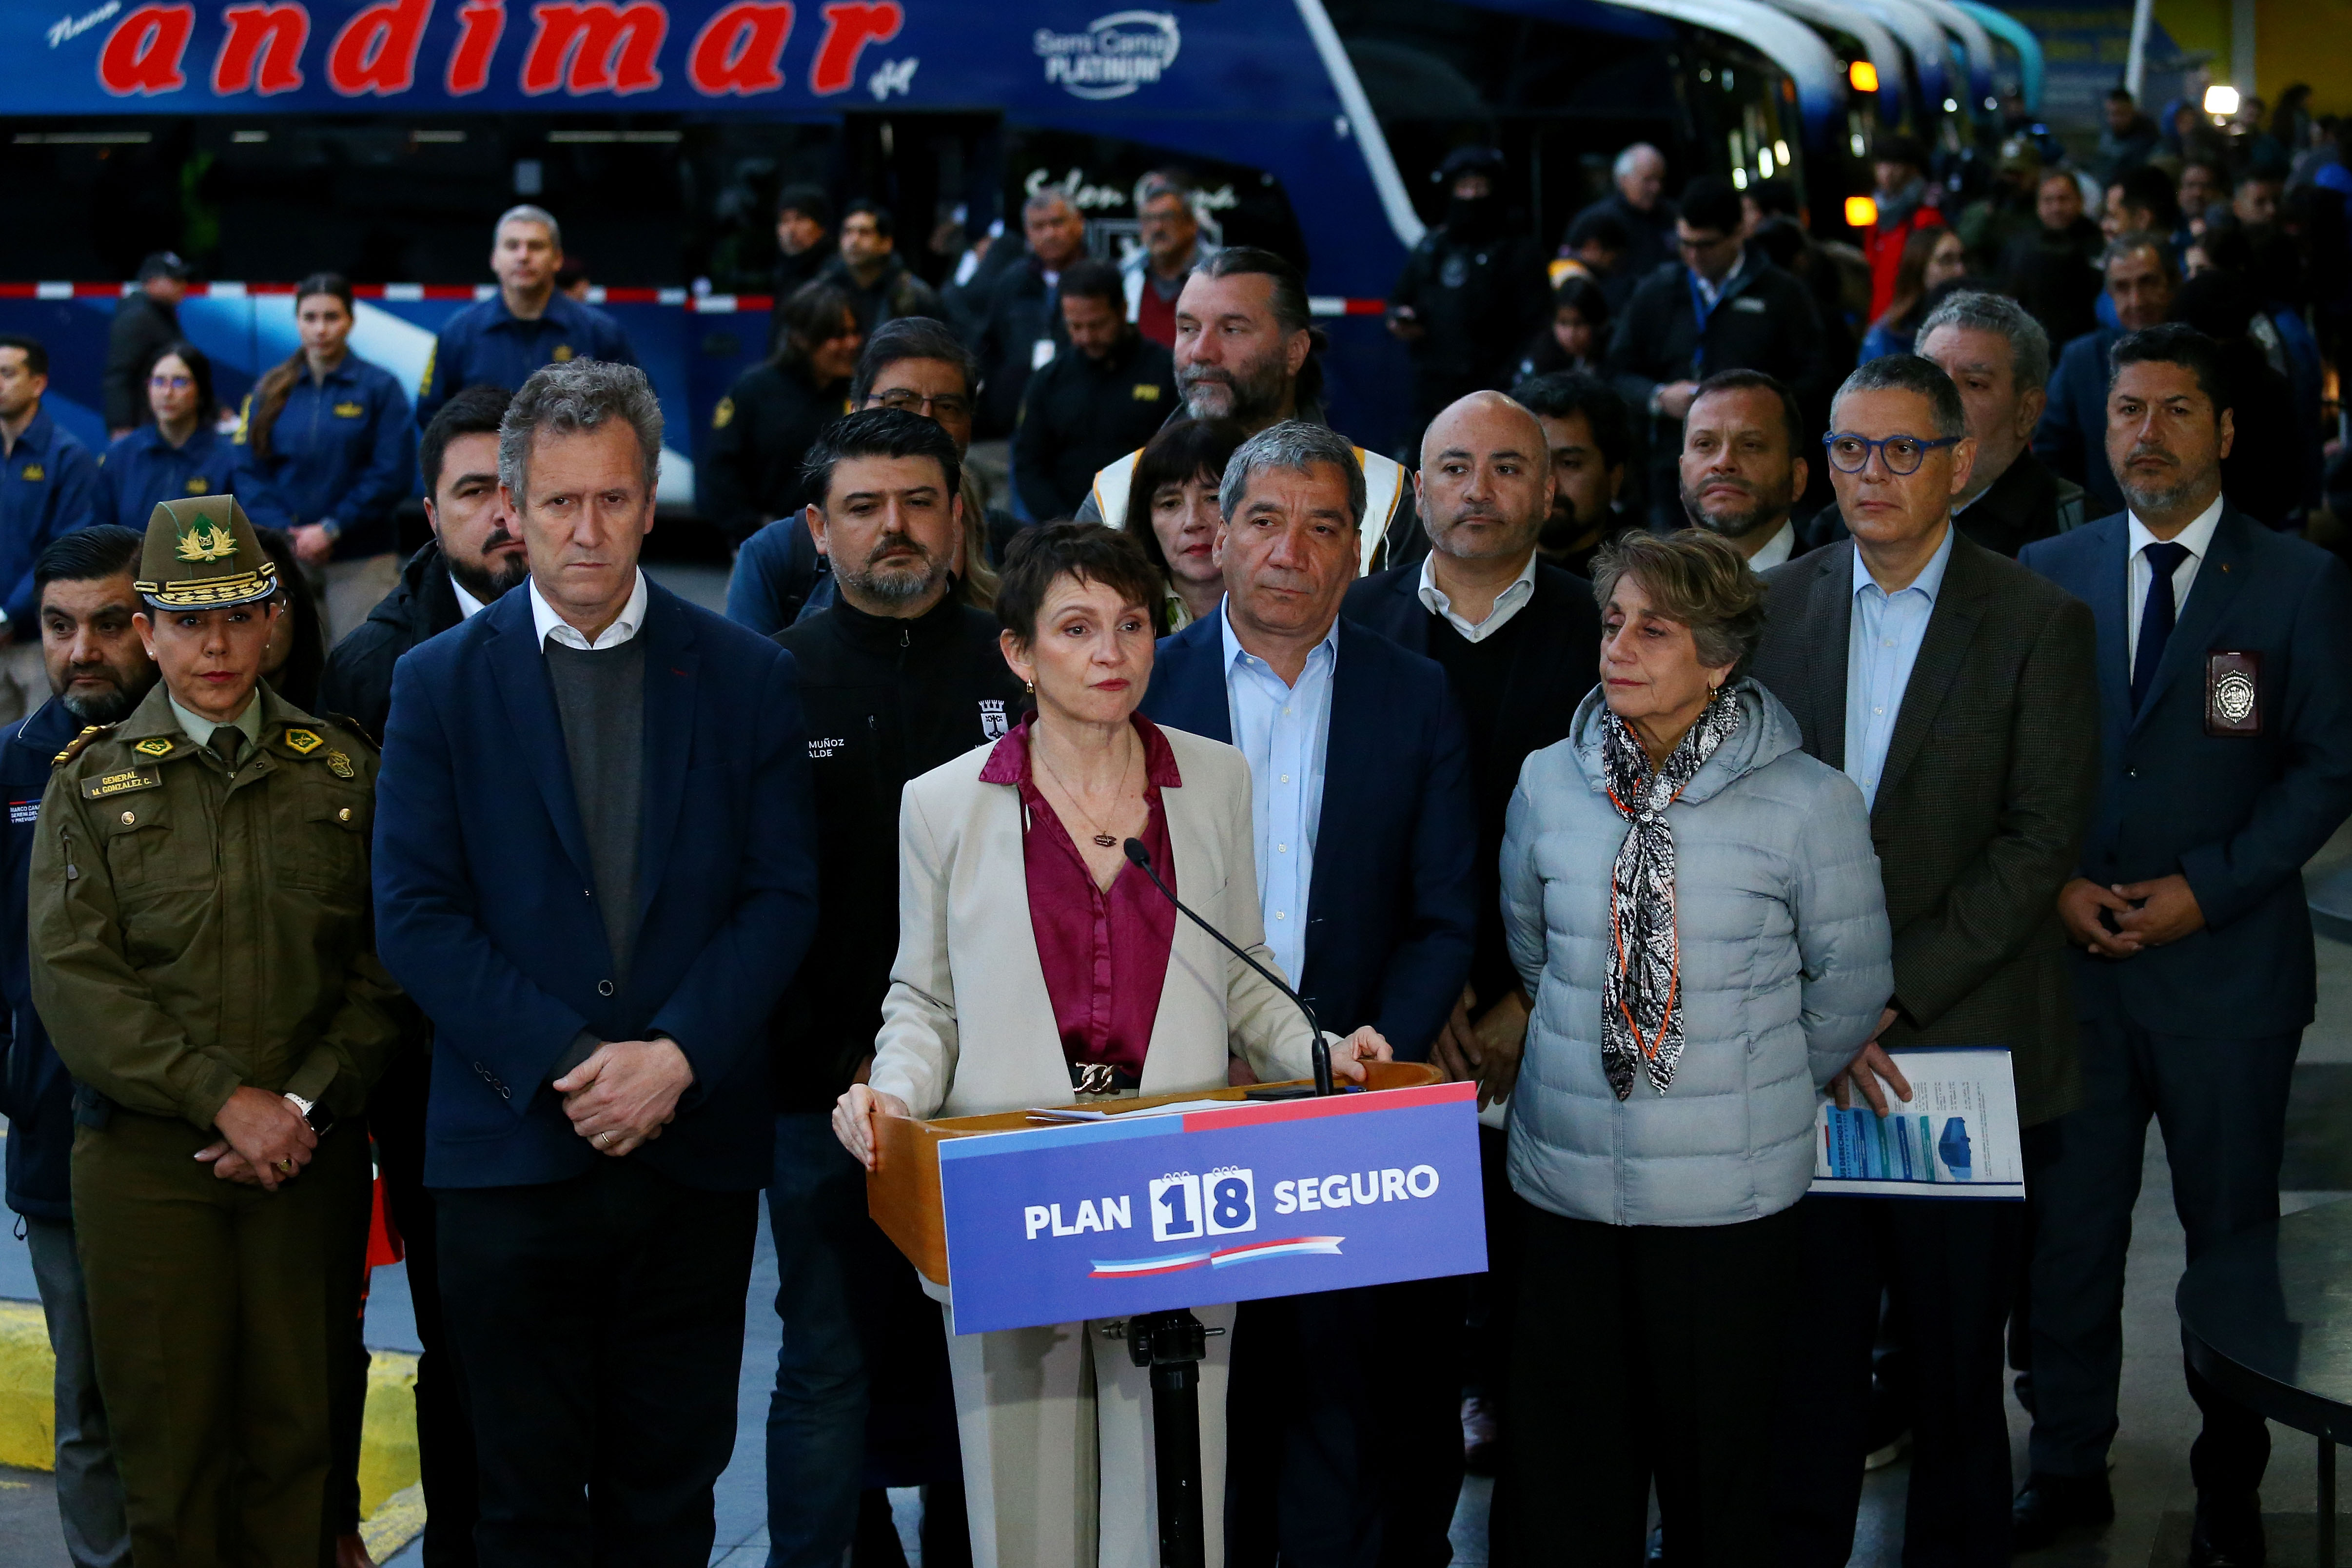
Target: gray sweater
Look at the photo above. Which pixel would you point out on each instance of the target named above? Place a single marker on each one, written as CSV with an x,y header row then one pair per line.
x,y
600,699
1785,968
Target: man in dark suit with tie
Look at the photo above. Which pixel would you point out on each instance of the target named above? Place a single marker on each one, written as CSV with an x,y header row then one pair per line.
x,y
594,866
1955,688
1520,640
1344,1453
2226,734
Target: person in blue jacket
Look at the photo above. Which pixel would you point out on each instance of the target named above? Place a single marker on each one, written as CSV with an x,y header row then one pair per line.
x,y
529,323
48,486
98,671
179,450
328,451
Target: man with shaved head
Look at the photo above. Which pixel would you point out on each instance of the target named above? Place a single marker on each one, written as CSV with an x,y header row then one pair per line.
x,y
1520,640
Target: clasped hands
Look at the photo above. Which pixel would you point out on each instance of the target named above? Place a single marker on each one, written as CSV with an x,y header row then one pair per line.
x,y
622,1097
264,1141
2148,914
1485,1053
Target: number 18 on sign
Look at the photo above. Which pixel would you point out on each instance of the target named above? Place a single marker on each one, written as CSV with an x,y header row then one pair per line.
x,y
1140,1214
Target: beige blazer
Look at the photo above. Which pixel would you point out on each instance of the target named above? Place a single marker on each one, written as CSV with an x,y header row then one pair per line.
x,y
968,1027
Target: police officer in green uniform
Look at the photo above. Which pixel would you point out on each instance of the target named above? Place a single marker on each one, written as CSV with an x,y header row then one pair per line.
x,y
204,957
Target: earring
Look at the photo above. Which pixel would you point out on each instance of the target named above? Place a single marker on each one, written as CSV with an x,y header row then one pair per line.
x,y
1030,686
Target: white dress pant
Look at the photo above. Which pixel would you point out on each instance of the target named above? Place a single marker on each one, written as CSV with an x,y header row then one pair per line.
x,y
1058,1451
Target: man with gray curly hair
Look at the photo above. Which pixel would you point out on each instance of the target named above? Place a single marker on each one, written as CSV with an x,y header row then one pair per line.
x,y
1366,835
1998,357
594,862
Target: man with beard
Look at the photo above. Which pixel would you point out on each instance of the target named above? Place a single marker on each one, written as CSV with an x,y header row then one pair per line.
x,y
1245,344
474,557
97,671
1519,639
1741,471
1472,292
1590,436
897,676
2221,773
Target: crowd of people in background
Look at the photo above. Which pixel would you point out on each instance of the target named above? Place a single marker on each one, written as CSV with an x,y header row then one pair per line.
x,y
1873,585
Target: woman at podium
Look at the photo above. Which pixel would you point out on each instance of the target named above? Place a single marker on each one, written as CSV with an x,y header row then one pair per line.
x,y
1695,907
1037,966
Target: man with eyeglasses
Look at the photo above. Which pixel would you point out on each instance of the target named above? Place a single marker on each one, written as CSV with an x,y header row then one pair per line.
x,y
914,364
1722,306
1957,690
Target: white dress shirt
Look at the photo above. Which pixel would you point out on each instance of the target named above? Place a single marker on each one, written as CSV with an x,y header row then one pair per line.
x,y
548,624
1507,603
2197,538
1285,732
1777,549
470,606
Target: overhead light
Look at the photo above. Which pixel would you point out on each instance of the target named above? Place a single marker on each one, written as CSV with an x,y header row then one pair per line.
x,y
248,138
1861,212
582,138
1859,146
1951,106
1738,179
1864,76
1764,161
2221,101
1781,150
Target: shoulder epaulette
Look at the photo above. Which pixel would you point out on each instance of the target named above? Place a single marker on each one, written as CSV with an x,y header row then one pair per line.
x,y
75,746
345,722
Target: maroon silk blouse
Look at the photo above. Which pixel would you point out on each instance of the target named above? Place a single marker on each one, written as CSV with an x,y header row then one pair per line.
x,y
1104,953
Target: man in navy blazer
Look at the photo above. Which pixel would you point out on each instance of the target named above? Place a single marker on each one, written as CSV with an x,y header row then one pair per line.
x,y
594,868
1365,831
2226,760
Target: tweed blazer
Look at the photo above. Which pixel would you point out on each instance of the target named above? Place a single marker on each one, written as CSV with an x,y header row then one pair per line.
x,y
1989,786
967,1026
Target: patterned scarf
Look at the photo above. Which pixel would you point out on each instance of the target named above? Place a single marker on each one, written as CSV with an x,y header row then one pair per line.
x,y
1641,998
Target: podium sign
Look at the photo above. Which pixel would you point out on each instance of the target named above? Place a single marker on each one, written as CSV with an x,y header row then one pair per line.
x,y
1143,1214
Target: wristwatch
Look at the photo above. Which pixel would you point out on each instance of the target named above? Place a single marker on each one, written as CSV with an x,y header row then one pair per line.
x,y
317,1115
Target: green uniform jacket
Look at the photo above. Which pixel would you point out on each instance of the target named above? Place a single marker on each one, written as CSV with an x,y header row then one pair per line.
x,y
193,933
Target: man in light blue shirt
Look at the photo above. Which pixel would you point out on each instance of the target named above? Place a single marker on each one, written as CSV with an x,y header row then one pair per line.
x,y
1340,1455
1959,695
1283,725
1879,650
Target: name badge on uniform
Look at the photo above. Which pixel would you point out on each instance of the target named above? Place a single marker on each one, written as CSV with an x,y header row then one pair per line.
x,y
2233,701
123,783
348,411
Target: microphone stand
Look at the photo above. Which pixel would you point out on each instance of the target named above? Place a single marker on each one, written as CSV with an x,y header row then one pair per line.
x,y
1318,1048
1172,1344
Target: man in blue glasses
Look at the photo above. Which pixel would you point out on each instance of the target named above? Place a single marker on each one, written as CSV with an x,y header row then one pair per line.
x,y
1956,689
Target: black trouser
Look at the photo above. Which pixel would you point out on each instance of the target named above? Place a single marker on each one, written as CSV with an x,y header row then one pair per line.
x,y
2222,1106
1494,1296
1343,1431
445,1433
600,1323
1952,1266
1642,1354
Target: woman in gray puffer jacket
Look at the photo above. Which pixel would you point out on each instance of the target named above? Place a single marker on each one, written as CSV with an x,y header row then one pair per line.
x,y
1695,907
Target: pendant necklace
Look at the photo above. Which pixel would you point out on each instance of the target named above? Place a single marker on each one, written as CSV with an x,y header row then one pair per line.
x,y
1101,837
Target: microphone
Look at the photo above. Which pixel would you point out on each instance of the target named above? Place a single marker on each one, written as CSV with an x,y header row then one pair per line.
x,y
1141,858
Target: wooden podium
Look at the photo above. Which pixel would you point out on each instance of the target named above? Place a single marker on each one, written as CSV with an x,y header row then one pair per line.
x,y
902,1191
